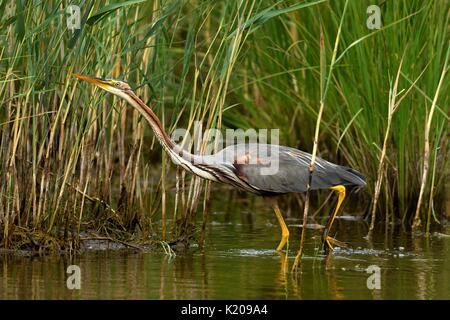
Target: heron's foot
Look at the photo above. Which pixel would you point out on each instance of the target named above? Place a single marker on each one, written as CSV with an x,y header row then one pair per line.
x,y
329,242
284,263
284,239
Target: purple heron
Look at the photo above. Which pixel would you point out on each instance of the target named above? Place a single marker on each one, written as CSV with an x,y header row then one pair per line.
x,y
241,165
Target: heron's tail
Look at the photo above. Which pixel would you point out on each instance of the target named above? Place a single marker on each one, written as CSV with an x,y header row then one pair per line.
x,y
352,177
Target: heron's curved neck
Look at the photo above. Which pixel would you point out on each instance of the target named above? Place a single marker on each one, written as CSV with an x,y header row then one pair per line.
x,y
176,152
152,118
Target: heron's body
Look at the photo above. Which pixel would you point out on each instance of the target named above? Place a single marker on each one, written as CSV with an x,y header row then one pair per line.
x,y
287,169
263,169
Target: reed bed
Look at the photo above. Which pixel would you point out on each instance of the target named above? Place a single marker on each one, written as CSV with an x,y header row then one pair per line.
x,y
77,161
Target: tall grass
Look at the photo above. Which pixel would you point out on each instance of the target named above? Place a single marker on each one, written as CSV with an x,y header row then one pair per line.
x,y
74,159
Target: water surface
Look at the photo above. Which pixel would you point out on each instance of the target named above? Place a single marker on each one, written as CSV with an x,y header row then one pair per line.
x,y
239,262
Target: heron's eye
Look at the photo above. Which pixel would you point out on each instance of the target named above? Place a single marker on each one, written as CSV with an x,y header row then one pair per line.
x,y
117,84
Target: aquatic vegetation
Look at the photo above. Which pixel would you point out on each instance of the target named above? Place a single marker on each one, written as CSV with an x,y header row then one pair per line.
x,y
74,159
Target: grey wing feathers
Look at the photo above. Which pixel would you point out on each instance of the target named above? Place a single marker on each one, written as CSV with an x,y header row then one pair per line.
x,y
281,169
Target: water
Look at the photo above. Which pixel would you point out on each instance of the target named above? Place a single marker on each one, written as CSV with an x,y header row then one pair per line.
x,y
239,262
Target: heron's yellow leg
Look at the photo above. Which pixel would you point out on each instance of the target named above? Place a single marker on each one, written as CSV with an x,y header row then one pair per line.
x,y
284,229
329,241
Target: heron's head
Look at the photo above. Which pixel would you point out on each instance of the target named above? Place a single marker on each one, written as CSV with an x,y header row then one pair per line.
x,y
117,87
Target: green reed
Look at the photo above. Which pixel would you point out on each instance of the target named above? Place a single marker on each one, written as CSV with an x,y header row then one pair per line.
x,y
74,158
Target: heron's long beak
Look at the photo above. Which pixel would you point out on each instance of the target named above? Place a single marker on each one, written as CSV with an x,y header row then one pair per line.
x,y
93,80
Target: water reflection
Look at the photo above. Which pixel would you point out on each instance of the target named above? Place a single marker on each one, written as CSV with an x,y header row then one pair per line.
x,y
239,262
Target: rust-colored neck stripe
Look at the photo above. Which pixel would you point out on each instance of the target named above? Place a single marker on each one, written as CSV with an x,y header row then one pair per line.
x,y
153,119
